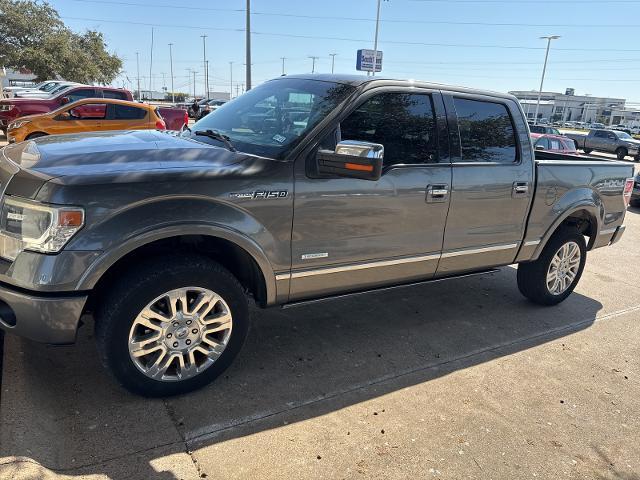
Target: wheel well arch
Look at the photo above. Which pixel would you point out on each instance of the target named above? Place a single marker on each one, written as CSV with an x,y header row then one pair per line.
x,y
233,257
36,134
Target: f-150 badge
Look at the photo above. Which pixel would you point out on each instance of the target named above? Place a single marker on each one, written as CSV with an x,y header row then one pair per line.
x,y
261,194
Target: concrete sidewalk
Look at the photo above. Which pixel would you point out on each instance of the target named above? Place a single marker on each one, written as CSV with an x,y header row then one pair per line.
x,y
459,379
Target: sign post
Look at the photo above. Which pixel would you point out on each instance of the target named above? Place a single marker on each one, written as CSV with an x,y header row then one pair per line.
x,y
364,61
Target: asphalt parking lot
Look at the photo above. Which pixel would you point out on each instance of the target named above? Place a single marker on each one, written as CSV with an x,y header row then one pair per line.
x,y
458,379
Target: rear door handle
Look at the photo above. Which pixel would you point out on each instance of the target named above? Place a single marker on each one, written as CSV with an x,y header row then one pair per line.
x,y
520,189
437,193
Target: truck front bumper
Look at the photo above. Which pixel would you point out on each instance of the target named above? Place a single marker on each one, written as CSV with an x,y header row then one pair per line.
x,y
47,318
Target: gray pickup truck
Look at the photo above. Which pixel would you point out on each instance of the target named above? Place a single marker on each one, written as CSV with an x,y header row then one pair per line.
x,y
609,141
303,189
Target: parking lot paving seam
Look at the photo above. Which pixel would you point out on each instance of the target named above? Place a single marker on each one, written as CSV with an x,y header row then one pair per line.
x,y
205,433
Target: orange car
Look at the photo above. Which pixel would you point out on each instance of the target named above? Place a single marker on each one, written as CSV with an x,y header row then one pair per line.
x,y
88,115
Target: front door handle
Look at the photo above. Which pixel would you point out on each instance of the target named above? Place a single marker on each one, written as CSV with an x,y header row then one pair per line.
x,y
437,193
520,189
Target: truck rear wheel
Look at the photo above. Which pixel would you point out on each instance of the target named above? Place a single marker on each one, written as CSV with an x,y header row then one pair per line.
x,y
552,278
621,153
171,326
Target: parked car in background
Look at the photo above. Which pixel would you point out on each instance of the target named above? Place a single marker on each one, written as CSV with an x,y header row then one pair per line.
x,y
42,87
58,88
635,194
342,184
609,141
13,108
554,143
88,115
596,126
174,117
209,107
543,129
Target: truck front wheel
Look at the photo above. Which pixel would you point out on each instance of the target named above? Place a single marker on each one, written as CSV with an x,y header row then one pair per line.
x,y
621,153
552,278
171,326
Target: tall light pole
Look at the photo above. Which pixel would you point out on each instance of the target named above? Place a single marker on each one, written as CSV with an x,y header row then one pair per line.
x,y
283,59
173,98
313,64
194,84
231,81
544,70
138,69
248,46
151,66
375,41
333,60
204,64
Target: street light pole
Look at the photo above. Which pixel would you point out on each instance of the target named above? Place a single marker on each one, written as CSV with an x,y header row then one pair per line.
x,y
283,59
138,69
333,60
231,81
204,64
313,64
173,98
194,84
544,70
375,41
248,46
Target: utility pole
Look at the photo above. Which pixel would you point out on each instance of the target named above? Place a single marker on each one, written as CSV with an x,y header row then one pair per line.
x,y
173,98
375,41
231,81
283,59
138,69
313,64
194,84
151,65
333,60
248,46
544,70
237,89
204,64
206,76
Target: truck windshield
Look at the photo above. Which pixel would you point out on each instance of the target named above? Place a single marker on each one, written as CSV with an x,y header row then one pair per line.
x,y
271,119
624,135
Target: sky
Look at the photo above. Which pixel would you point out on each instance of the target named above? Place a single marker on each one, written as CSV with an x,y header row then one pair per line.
x,y
492,44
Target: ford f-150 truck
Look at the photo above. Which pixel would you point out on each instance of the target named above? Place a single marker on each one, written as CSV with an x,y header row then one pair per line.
x,y
610,141
302,189
13,108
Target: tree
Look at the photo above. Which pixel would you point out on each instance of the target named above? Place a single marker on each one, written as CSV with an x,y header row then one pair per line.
x,y
33,36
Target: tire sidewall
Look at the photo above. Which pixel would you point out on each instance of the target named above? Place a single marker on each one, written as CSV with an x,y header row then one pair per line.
x,y
144,290
621,153
551,249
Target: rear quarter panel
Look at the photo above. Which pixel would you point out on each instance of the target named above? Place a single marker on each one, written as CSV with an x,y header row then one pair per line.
x,y
565,187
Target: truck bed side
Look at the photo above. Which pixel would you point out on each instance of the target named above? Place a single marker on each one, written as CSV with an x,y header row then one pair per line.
x,y
588,193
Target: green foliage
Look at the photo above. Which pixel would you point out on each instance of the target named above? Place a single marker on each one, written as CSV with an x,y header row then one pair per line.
x,y
32,36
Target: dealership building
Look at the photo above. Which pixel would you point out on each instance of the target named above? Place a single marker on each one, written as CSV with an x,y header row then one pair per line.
x,y
582,108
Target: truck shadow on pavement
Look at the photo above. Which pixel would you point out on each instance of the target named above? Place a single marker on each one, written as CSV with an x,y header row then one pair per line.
x,y
61,411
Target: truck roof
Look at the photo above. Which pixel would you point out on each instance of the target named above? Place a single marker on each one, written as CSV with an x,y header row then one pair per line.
x,y
358,80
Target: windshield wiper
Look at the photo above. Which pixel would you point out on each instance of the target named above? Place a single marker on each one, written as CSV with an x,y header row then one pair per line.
x,y
217,136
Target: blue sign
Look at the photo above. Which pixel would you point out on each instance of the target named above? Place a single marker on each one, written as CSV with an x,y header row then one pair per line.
x,y
364,61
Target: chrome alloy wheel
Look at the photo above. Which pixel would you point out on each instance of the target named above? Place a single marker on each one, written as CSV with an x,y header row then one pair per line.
x,y
563,268
180,334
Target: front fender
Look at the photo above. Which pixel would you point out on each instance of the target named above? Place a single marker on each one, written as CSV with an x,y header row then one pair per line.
x,y
109,258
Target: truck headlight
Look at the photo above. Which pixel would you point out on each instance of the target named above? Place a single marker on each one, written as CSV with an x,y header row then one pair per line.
x,y
28,225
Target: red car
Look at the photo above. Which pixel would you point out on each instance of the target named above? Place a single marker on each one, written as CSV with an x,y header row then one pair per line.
x,y
554,143
13,108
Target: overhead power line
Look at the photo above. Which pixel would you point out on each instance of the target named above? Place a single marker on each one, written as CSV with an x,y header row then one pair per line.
x,y
346,39
364,19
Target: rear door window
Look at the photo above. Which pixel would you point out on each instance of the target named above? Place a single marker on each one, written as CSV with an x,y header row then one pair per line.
x,y
486,131
114,94
81,93
555,144
126,112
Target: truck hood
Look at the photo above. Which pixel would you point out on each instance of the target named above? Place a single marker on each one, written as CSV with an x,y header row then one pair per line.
x,y
115,153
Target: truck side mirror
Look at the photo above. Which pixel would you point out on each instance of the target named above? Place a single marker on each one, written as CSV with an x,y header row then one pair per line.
x,y
540,147
352,159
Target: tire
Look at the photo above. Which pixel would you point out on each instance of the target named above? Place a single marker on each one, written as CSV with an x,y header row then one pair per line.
x,y
118,314
532,276
621,152
587,150
36,135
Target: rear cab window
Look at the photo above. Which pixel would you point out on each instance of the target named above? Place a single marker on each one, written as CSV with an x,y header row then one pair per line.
x,y
114,94
487,133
